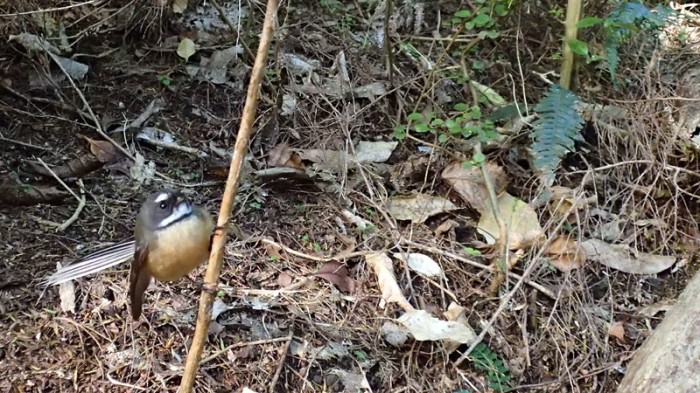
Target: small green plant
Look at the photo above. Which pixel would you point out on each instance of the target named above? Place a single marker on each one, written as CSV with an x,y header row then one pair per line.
x,y
483,18
255,205
464,122
472,251
497,374
621,25
306,241
164,80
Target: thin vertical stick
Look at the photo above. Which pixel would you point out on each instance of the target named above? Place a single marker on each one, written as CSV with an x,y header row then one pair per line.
x,y
211,279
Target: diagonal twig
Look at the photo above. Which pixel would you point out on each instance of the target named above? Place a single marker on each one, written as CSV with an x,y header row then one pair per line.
x,y
211,279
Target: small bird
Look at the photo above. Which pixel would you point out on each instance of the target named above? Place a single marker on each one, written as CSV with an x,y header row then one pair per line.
x,y
171,238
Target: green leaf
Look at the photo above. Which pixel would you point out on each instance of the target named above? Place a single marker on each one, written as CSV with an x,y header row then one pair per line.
x,y
415,116
421,127
492,34
501,10
461,107
577,46
472,251
588,22
478,65
479,158
437,122
442,138
463,14
482,19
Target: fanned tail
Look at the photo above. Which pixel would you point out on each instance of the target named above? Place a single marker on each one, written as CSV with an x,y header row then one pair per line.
x,y
93,263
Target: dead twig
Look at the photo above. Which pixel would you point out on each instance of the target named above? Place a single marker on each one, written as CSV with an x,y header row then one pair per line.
x,y
283,356
81,200
211,278
435,250
240,345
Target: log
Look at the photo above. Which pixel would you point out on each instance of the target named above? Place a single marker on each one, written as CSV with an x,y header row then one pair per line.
x,y
669,360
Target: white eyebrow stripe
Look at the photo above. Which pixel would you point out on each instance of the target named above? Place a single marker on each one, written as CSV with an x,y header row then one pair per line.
x,y
181,211
163,196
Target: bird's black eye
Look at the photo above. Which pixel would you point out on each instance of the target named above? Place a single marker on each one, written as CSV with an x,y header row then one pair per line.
x,y
163,205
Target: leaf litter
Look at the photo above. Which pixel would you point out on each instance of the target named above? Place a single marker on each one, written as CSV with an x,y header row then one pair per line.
x,y
334,100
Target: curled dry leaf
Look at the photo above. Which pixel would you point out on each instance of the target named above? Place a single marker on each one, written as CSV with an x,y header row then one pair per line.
x,y
366,152
273,250
179,6
186,48
418,207
337,274
284,279
104,151
446,227
469,183
456,313
425,327
626,259
356,220
391,292
394,334
406,172
522,225
565,254
283,155
617,330
420,263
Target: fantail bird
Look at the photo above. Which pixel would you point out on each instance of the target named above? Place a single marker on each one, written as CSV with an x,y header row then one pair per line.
x,y
171,238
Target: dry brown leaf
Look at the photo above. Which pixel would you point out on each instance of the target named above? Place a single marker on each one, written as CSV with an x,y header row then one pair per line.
x,y
284,279
617,330
179,6
365,152
456,313
420,263
446,227
408,171
273,251
521,221
562,201
283,155
565,254
391,292
418,207
626,259
337,274
102,150
425,327
469,183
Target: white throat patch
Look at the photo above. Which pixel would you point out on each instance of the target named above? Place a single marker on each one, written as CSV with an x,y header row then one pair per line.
x,y
180,211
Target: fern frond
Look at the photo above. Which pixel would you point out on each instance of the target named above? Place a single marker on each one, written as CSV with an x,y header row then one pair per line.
x,y
624,22
556,129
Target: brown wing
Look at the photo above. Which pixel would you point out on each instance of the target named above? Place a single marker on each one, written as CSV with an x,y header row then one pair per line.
x,y
139,278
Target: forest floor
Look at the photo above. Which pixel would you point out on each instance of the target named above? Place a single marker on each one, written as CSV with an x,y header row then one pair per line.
x,y
306,268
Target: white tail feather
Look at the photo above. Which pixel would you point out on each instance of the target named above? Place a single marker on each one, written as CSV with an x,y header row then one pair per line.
x,y
93,263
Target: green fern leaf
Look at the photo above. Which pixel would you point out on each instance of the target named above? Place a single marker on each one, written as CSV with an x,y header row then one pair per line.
x,y
556,129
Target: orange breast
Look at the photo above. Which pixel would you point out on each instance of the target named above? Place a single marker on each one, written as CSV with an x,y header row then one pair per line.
x,y
180,248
